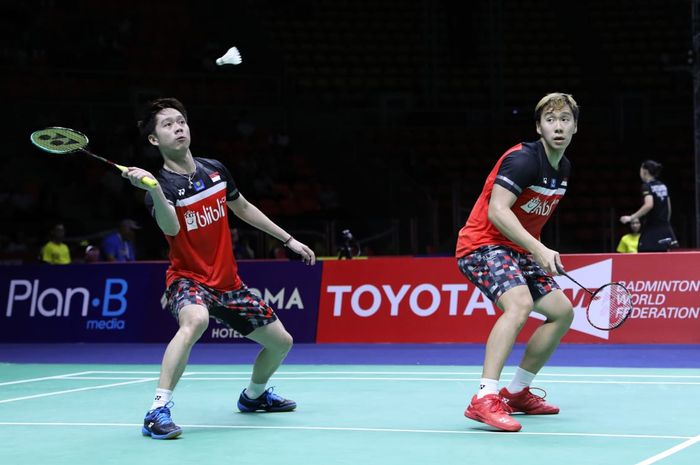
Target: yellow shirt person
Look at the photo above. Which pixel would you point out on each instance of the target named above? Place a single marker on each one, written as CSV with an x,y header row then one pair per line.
x,y
630,242
56,252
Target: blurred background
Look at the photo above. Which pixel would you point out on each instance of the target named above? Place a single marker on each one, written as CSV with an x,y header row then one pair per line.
x,y
381,117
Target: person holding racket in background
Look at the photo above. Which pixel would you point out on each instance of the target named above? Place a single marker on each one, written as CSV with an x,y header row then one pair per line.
x,y
189,203
499,250
657,234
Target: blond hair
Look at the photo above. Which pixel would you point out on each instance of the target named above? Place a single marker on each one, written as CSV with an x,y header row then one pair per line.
x,y
556,101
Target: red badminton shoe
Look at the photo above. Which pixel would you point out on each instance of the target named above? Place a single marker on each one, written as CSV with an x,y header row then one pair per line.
x,y
529,403
492,410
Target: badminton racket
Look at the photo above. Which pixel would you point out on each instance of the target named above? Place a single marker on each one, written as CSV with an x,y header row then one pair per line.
x,y
64,141
610,305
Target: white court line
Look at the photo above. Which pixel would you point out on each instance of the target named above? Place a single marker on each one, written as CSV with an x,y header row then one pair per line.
x,y
55,393
341,428
670,451
377,378
32,380
453,373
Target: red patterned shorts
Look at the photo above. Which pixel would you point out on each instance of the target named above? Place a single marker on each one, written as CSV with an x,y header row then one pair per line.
x,y
239,309
495,269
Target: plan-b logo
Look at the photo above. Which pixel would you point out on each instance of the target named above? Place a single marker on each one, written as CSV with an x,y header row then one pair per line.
x,y
195,219
28,298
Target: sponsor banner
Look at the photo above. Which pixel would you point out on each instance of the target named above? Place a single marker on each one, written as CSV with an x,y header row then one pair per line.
x,y
428,300
121,302
79,303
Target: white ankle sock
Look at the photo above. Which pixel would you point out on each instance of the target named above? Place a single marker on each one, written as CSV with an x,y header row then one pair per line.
x,y
253,391
521,380
487,386
162,397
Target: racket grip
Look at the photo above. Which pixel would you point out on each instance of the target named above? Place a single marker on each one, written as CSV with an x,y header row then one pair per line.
x,y
146,181
150,182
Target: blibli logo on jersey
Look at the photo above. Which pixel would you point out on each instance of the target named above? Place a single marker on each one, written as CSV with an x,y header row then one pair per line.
x,y
536,206
206,216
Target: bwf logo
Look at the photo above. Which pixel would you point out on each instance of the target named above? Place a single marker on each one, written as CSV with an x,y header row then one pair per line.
x,y
206,216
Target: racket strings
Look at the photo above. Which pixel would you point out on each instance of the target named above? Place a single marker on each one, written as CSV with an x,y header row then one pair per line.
x,y
610,307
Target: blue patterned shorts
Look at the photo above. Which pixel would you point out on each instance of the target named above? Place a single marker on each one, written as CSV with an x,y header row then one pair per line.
x,y
239,309
495,269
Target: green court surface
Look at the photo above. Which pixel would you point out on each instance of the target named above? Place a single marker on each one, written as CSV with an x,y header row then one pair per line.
x,y
348,414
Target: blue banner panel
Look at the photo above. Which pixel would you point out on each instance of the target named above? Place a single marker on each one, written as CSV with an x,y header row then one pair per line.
x,y
121,302
78,303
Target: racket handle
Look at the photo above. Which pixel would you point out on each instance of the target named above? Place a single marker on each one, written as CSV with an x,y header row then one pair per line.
x,y
146,180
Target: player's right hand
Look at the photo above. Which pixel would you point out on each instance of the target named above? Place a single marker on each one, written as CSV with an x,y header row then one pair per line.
x,y
548,259
135,176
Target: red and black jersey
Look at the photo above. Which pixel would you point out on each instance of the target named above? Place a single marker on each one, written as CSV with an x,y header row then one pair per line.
x,y
526,172
202,250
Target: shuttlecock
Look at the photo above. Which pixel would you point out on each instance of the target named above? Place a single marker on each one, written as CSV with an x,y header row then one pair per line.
x,y
232,57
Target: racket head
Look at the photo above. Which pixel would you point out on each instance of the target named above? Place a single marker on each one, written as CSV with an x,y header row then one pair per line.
x,y
609,307
59,140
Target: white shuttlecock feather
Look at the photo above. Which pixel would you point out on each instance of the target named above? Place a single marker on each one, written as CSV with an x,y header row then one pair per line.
x,y
232,57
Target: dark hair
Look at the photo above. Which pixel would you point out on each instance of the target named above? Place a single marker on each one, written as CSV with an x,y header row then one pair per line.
x,y
147,124
653,167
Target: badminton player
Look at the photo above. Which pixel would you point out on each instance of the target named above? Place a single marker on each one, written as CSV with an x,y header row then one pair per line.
x,y
499,250
190,205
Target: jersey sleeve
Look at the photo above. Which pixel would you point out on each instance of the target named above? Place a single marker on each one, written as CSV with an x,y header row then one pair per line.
x,y
518,171
646,189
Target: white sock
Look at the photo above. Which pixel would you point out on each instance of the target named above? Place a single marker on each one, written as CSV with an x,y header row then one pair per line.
x,y
253,391
486,387
521,380
162,397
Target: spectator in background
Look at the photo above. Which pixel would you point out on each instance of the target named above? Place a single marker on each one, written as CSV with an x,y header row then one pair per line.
x,y
119,246
657,234
55,251
630,241
92,254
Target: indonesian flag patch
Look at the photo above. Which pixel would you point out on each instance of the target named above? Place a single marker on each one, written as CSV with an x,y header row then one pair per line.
x,y
215,176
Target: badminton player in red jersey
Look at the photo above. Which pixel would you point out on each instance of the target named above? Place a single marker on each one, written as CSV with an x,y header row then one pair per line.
x,y
499,250
190,206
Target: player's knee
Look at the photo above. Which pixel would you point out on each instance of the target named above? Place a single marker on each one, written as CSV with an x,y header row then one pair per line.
x,y
195,326
568,315
285,343
518,314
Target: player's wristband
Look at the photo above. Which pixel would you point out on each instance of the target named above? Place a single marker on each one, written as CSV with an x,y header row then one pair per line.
x,y
286,243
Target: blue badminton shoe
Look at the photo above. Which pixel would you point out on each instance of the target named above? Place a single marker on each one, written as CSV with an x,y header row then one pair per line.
x,y
159,425
268,401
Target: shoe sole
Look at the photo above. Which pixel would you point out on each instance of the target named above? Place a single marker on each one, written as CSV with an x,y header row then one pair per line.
x,y
535,413
475,417
170,435
244,409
